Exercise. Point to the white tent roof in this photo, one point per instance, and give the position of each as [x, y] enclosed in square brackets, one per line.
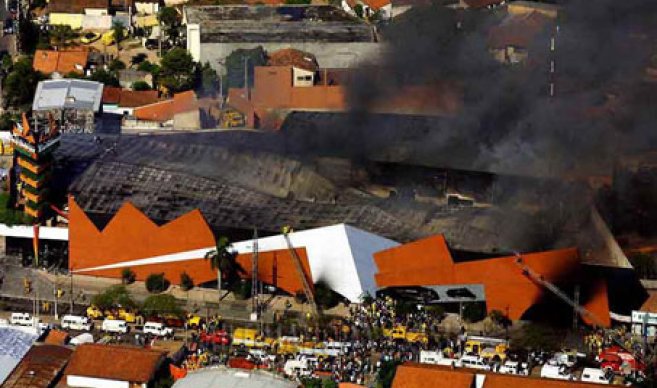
[340, 255]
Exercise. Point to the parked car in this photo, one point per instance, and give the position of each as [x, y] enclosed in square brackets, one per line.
[556, 372]
[153, 44]
[514, 368]
[75, 322]
[219, 337]
[21, 319]
[173, 321]
[598, 376]
[435, 358]
[115, 326]
[157, 329]
[473, 362]
[84, 338]
[90, 37]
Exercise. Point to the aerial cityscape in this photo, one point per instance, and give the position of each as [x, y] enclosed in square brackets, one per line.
[328, 193]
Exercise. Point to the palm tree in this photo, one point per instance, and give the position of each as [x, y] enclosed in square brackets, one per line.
[61, 36]
[223, 259]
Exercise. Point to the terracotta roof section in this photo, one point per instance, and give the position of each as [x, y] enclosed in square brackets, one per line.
[111, 95]
[482, 3]
[293, 57]
[75, 6]
[414, 375]
[63, 62]
[429, 262]
[56, 337]
[165, 110]
[650, 305]
[39, 368]
[134, 98]
[518, 30]
[114, 362]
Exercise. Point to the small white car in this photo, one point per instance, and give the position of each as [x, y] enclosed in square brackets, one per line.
[436, 358]
[295, 368]
[594, 375]
[157, 329]
[514, 368]
[115, 326]
[21, 319]
[556, 372]
[76, 322]
[473, 362]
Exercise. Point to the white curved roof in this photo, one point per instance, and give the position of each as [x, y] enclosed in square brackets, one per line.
[340, 255]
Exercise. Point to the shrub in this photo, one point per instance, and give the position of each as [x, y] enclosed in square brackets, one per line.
[186, 282]
[474, 312]
[156, 283]
[128, 276]
[499, 318]
[161, 304]
[115, 295]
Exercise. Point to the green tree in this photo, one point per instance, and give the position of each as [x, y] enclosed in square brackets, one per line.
[386, 374]
[366, 298]
[161, 304]
[358, 9]
[152, 68]
[186, 281]
[20, 84]
[104, 77]
[119, 34]
[141, 86]
[474, 311]
[138, 59]
[223, 259]
[156, 283]
[128, 276]
[170, 20]
[113, 296]
[209, 80]
[235, 66]
[61, 36]
[177, 72]
[6, 122]
[30, 36]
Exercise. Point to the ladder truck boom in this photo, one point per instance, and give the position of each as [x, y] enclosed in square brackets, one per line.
[538, 278]
[302, 275]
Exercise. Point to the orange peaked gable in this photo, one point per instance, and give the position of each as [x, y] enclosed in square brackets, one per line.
[131, 235]
[429, 262]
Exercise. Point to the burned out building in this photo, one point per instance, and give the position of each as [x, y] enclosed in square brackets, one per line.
[337, 39]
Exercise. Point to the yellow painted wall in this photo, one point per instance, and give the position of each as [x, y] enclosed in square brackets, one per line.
[67, 19]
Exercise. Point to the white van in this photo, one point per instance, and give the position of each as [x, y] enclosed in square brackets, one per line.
[76, 322]
[22, 319]
[294, 368]
[115, 326]
[514, 368]
[593, 375]
[157, 329]
[334, 348]
[435, 358]
[555, 372]
[473, 362]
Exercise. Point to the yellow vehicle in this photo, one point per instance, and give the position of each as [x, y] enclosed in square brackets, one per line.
[231, 118]
[288, 345]
[486, 347]
[108, 38]
[402, 334]
[90, 37]
[193, 321]
[94, 312]
[126, 315]
[250, 338]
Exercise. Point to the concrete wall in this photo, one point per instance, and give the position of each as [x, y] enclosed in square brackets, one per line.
[329, 55]
[147, 8]
[74, 20]
[187, 120]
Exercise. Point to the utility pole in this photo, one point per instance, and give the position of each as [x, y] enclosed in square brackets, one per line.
[246, 79]
[71, 290]
[254, 277]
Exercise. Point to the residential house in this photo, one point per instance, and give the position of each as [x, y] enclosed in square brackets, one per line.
[98, 366]
[181, 112]
[123, 102]
[376, 9]
[42, 366]
[61, 63]
[511, 40]
[127, 77]
[73, 103]
[147, 7]
[276, 92]
[304, 65]
[80, 14]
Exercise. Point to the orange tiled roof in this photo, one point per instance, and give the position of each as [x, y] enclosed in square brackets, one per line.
[111, 95]
[113, 362]
[429, 262]
[293, 57]
[135, 98]
[650, 305]
[56, 337]
[165, 110]
[63, 62]
[413, 375]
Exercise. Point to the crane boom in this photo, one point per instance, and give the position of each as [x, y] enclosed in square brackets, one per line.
[538, 278]
[304, 281]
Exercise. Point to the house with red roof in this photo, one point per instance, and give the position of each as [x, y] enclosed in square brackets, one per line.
[123, 101]
[52, 62]
[182, 112]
